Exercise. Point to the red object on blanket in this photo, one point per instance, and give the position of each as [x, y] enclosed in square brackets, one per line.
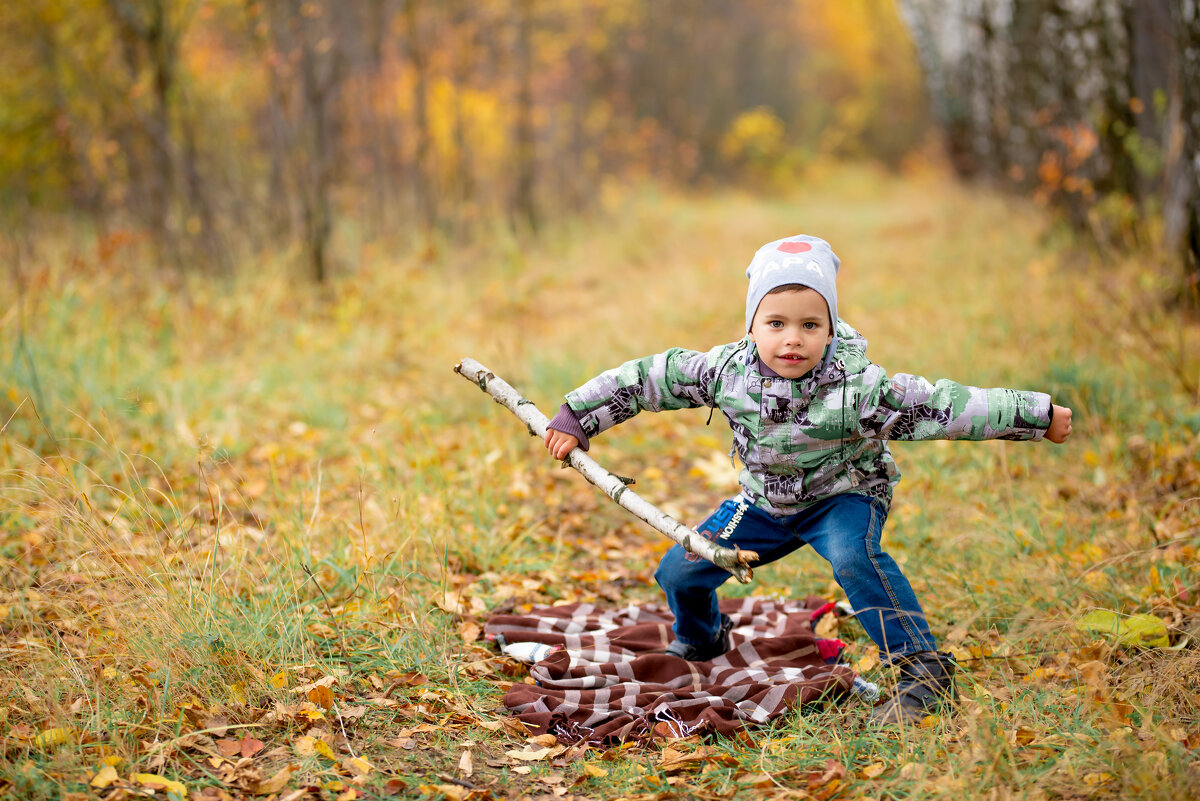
[612, 682]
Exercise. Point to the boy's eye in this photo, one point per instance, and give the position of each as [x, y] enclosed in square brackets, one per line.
[776, 324]
[810, 326]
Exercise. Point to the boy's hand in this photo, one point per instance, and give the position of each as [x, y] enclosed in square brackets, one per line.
[1060, 426]
[560, 444]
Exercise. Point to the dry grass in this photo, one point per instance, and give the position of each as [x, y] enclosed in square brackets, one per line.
[215, 494]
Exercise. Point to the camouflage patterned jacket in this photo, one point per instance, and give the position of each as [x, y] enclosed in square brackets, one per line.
[804, 440]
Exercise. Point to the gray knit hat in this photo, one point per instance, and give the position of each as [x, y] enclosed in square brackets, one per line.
[804, 260]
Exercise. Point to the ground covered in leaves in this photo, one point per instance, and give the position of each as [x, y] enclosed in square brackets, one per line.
[250, 532]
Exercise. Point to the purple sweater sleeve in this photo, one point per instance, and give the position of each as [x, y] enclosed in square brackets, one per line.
[566, 422]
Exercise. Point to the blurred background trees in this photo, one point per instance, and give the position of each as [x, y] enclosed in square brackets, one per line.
[1093, 105]
[214, 130]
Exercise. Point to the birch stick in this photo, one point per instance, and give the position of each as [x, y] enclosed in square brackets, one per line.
[735, 560]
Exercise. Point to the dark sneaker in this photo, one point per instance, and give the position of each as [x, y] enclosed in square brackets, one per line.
[704, 653]
[926, 683]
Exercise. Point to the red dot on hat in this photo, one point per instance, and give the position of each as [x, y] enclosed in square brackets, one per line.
[794, 247]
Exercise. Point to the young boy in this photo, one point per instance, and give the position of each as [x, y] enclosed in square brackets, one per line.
[811, 417]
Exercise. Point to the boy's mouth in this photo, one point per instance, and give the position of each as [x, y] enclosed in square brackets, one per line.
[791, 357]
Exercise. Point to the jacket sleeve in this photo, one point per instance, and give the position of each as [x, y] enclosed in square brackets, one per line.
[908, 407]
[676, 379]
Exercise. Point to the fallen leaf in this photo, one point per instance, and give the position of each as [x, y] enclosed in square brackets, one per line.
[248, 746]
[594, 771]
[470, 631]
[106, 776]
[827, 627]
[228, 746]
[304, 745]
[535, 754]
[514, 726]
[323, 748]
[671, 759]
[52, 737]
[352, 712]
[321, 696]
[874, 770]
[276, 782]
[834, 772]
[869, 661]
[1144, 631]
[279, 680]
[451, 791]
[156, 782]
[1096, 779]
[358, 766]
[408, 679]
[465, 764]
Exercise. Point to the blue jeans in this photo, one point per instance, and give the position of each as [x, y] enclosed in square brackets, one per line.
[844, 529]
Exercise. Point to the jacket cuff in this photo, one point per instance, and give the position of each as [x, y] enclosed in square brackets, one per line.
[1042, 424]
[566, 422]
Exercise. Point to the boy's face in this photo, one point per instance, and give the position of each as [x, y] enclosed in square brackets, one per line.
[791, 330]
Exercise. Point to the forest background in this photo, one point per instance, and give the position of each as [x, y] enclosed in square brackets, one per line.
[251, 526]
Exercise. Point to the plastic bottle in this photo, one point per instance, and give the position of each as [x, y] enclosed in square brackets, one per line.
[529, 652]
[868, 691]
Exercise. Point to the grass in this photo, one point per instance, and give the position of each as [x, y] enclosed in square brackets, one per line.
[216, 495]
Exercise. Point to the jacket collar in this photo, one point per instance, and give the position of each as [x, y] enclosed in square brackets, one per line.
[828, 371]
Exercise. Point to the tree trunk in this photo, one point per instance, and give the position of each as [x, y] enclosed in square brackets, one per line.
[524, 202]
[1182, 207]
[426, 205]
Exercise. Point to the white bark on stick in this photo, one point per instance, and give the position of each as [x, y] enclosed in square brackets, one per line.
[735, 560]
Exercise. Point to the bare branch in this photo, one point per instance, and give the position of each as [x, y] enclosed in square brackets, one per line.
[735, 560]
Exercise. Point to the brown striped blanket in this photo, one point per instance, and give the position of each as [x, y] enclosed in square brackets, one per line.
[610, 680]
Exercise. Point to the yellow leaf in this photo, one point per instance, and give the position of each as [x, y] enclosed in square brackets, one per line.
[871, 771]
[237, 694]
[157, 782]
[1095, 779]
[594, 770]
[869, 661]
[106, 776]
[305, 745]
[358, 766]
[1146, 631]
[827, 627]
[324, 750]
[52, 737]
[279, 680]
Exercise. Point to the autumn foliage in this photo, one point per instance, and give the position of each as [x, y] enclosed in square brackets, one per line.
[221, 126]
[250, 532]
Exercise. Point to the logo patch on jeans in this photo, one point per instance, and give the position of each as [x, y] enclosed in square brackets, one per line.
[721, 524]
